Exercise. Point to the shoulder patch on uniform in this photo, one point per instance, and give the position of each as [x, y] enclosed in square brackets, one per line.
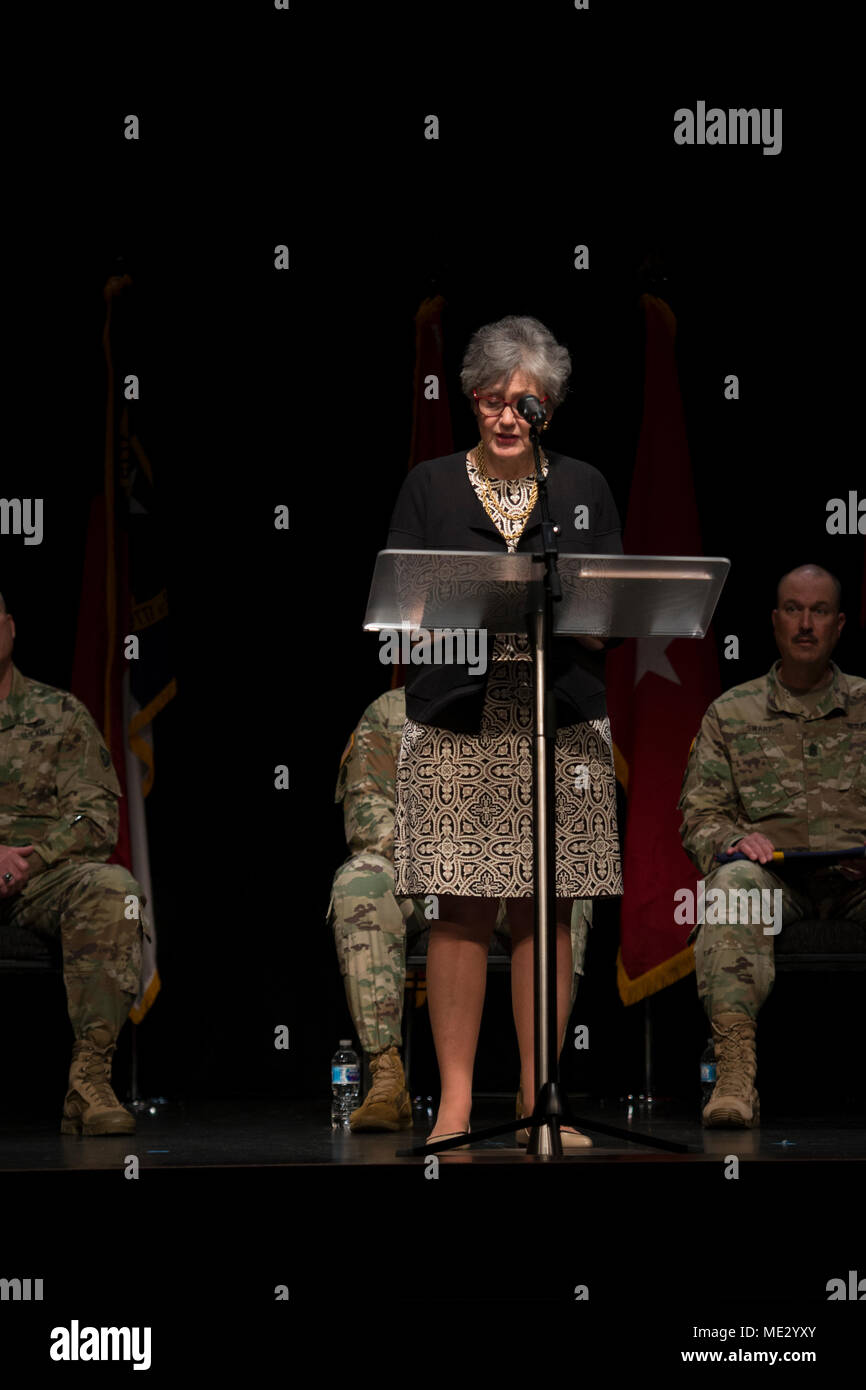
[348, 748]
[105, 757]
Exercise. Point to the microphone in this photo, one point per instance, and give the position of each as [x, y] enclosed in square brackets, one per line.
[531, 409]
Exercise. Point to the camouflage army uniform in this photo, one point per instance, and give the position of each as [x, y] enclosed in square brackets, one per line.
[370, 924]
[59, 792]
[794, 769]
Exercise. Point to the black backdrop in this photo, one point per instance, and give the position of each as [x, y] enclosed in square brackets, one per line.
[263, 387]
[305, 126]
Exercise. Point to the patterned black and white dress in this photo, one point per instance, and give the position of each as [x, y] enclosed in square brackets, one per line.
[464, 814]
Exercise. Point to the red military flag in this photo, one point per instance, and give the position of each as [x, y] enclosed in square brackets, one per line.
[658, 688]
[431, 414]
[432, 437]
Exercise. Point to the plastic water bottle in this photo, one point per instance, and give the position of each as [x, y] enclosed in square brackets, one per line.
[345, 1084]
[708, 1072]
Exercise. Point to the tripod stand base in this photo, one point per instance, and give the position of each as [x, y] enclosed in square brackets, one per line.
[545, 1139]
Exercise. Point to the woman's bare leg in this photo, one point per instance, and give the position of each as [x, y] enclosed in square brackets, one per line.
[456, 983]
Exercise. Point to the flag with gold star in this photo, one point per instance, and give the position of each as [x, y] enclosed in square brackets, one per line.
[658, 687]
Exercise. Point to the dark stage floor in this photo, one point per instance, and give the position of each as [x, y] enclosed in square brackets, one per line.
[239, 1198]
[238, 1133]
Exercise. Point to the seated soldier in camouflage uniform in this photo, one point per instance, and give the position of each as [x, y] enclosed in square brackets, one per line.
[779, 763]
[371, 925]
[58, 824]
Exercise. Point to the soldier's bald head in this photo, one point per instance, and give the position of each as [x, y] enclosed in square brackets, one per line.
[812, 572]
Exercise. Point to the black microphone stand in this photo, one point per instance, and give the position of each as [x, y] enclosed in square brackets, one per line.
[550, 1108]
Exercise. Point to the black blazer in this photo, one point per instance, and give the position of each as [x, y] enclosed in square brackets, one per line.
[437, 509]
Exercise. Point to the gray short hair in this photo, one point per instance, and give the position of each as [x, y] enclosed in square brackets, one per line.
[502, 348]
[821, 573]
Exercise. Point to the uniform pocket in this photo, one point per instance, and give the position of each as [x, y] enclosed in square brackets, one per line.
[852, 763]
[767, 775]
[28, 772]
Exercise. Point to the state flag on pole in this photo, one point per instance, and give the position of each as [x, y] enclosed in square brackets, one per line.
[122, 665]
[150, 681]
[658, 688]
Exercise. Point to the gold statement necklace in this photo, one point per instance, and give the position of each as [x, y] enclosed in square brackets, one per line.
[492, 503]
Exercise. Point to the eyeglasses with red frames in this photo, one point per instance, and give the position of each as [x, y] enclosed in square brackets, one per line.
[494, 405]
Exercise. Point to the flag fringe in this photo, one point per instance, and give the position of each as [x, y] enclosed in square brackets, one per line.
[620, 767]
[138, 1011]
[667, 972]
[140, 747]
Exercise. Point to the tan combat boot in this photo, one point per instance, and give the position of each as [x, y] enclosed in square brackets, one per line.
[386, 1104]
[734, 1103]
[91, 1107]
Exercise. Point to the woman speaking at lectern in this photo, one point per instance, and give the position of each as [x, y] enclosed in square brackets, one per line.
[464, 817]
